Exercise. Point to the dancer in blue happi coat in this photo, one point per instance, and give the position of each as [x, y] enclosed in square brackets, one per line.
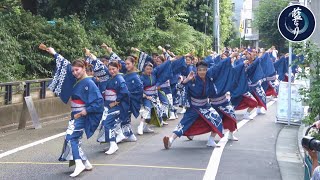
[200, 118]
[183, 100]
[135, 88]
[153, 109]
[269, 81]
[241, 98]
[71, 81]
[117, 101]
[221, 76]
[164, 93]
[256, 74]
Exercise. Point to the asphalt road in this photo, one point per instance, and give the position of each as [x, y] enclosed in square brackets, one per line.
[253, 157]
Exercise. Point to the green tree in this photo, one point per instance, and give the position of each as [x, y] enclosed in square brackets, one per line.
[198, 8]
[266, 18]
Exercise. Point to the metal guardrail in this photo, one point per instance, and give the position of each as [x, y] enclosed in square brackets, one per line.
[9, 89]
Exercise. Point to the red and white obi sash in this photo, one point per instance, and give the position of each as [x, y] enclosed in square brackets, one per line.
[218, 100]
[150, 90]
[77, 105]
[110, 95]
[198, 102]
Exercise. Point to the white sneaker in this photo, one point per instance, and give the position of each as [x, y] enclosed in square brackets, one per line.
[261, 111]
[232, 137]
[120, 137]
[147, 129]
[113, 148]
[247, 116]
[176, 115]
[211, 142]
[88, 165]
[79, 168]
[183, 110]
[131, 138]
[172, 116]
[140, 129]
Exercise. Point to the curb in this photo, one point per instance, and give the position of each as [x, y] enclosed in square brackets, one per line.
[301, 132]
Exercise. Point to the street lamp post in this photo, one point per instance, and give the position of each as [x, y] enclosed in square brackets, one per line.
[216, 26]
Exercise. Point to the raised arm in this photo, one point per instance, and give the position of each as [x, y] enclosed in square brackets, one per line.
[63, 80]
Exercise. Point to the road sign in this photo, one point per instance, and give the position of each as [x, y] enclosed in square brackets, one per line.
[296, 23]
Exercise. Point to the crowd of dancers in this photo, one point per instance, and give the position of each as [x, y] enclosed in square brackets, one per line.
[106, 92]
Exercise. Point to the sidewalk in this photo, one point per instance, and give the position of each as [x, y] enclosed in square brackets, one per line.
[288, 154]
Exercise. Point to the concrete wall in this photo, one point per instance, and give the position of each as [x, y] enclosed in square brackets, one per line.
[47, 109]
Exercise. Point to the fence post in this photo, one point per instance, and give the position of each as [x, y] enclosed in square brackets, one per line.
[26, 90]
[43, 89]
[8, 95]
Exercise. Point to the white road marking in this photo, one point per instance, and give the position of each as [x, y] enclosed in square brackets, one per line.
[214, 161]
[7, 153]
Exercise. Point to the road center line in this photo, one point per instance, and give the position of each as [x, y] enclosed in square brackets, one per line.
[115, 165]
[7, 153]
[214, 161]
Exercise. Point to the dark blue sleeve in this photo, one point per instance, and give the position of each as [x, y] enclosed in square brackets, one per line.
[163, 72]
[123, 92]
[179, 65]
[63, 80]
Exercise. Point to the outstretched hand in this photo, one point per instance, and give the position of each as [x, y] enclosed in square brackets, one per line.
[86, 51]
[50, 50]
[106, 47]
[190, 75]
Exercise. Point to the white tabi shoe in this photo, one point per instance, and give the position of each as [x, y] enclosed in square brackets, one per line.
[88, 165]
[113, 148]
[260, 111]
[131, 138]
[120, 137]
[176, 115]
[247, 116]
[232, 137]
[164, 123]
[183, 110]
[140, 129]
[211, 142]
[79, 168]
[147, 129]
[172, 116]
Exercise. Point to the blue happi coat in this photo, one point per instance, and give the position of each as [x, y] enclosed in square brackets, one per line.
[255, 74]
[65, 85]
[210, 120]
[135, 88]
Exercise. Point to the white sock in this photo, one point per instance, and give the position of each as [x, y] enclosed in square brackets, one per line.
[171, 140]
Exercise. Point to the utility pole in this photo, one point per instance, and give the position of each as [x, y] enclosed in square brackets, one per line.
[216, 26]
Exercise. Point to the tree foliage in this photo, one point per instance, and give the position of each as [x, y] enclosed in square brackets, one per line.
[70, 25]
[266, 18]
[310, 70]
